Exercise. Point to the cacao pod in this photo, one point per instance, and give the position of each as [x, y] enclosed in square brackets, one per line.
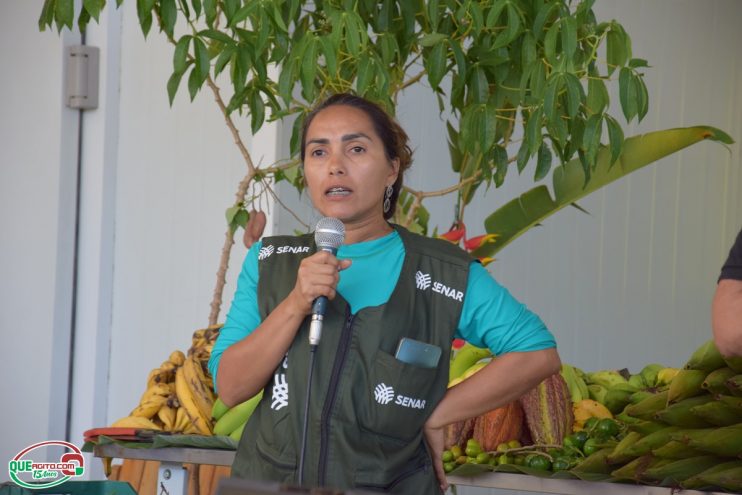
[498, 426]
[548, 411]
[458, 433]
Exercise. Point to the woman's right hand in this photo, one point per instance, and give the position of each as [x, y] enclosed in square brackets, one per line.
[317, 276]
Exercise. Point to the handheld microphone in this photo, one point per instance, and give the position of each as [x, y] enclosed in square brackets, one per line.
[328, 235]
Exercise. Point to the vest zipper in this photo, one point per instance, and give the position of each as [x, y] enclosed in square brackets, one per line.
[337, 367]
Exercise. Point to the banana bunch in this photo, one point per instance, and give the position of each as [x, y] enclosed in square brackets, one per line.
[179, 394]
[465, 358]
[578, 389]
[231, 421]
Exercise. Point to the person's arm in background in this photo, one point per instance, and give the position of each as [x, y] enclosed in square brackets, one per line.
[526, 355]
[726, 309]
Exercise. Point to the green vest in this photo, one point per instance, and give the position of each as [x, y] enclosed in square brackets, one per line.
[367, 409]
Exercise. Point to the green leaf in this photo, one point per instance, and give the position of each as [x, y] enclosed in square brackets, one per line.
[544, 16]
[186, 10]
[286, 82]
[533, 130]
[597, 95]
[210, 12]
[615, 137]
[144, 12]
[435, 64]
[643, 96]
[575, 94]
[83, 20]
[531, 208]
[194, 83]
[616, 52]
[523, 156]
[94, 7]
[627, 94]
[493, 16]
[569, 36]
[64, 13]
[231, 213]
[329, 50]
[550, 43]
[478, 85]
[636, 63]
[512, 29]
[309, 65]
[202, 60]
[168, 15]
[458, 56]
[591, 137]
[551, 96]
[543, 163]
[230, 9]
[295, 142]
[47, 14]
[217, 36]
[488, 123]
[433, 14]
[257, 111]
[180, 55]
[365, 74]
[432, 39]
[172, 85]
[500, 157]
[278, 19]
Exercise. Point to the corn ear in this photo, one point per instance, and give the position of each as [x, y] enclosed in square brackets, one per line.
[725, 441]
[687, 383]
[698, 482]
[679, 470]
[676, 450]
[706, 358]
[717, 413]
[679, 414]
[716, 381]
[647, 408]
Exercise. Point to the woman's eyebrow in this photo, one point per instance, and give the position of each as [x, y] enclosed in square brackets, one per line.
[355, 135]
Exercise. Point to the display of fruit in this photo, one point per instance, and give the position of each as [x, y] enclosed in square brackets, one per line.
[179, 394]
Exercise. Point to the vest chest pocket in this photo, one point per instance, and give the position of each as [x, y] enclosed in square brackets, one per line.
[398, 400]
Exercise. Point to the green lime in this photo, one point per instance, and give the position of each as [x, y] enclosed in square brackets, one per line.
[473, 450]
[504, 459]
[570, 442]
[483, 458]
[560, 464]
[473, 443]
[519, 460]
[456, 451]
[607, 428]
[461, 459]
[590, 423]
[591, 446]
[539, 462]
[514, 444]
[471, 460]
[581, 437]
[503, 447]
[493, 460]
[449, 466]
[447, 456]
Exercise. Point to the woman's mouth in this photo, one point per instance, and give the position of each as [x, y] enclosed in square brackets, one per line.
[337, 192]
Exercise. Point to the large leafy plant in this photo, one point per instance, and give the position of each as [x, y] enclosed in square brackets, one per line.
[523, 83]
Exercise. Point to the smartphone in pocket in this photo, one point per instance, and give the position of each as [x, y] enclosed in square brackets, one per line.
[418, 353]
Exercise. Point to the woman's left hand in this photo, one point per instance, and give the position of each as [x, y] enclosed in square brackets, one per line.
[435, 440]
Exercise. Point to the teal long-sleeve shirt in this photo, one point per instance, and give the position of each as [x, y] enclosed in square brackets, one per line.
[491, 317]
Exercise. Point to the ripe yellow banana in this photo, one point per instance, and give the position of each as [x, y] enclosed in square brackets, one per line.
[149, 407]
[168, 366]
[156, 390]
[201, 422]
[167, 416]
[197, 382]
[177, 358]
[158, 375]
[135, 422]
[181, 420]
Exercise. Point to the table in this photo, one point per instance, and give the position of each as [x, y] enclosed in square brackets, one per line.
[172, 478]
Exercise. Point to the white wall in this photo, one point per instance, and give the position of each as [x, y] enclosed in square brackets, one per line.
[38, 142]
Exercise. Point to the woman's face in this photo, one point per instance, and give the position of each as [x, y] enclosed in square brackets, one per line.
[345, 166]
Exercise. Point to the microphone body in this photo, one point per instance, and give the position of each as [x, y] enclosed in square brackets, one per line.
[328, 235]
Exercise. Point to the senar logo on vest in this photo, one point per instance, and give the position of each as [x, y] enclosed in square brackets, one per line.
[265, 252]
[292, 249]
[423, 281]
[384, 394]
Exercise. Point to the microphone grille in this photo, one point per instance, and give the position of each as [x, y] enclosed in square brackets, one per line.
[329, 233]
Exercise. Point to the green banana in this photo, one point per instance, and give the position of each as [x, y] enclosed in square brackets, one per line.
[636, 468]
[237, 415]
[716, 381]
[698, 482]
[647, 408]
[464, 358]
[729, 479]
[615, 400]
[608, 378]
[597, 392]
[679, 470]
[572, 380]
[679, 413]
[725, 441]
[706, 358]
[734, 362]
[638, 382]
[618, 456]
[218, 409]
[734, 384]
[676, 450]
[652, 441]
[717, 413]
[236, 435]
[639, 396]
[687, 383]
[649, 373]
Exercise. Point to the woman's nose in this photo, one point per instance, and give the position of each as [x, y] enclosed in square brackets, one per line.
[336, 165]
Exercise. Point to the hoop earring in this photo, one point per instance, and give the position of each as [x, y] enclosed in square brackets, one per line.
[388, 198]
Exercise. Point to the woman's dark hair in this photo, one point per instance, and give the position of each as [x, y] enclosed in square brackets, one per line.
[391, 133]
